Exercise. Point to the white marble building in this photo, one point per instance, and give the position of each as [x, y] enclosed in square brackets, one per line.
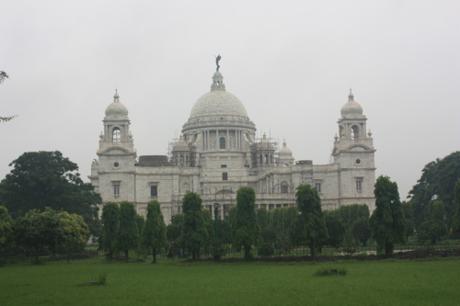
[218, 152]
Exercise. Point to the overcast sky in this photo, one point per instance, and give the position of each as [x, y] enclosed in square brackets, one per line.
[290, 62]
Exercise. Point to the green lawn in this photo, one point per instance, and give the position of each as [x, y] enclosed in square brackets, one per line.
[434, 282]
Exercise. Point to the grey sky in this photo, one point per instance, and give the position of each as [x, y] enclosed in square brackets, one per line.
[290, 62]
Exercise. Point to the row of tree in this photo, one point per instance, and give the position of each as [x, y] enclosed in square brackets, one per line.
[38, 233]
[195, 232]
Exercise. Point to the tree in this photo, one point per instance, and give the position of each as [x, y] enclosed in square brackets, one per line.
[174, 235]
[194, 232]
[110, 228]
[361, 230]
[434, 227]
[154, 233]
[456, 222]
[6, 232]
[312, 219]
[47, 179]
[245, 230]
[335, 229]
[387, 221]
[73, 233]
[438, 181]
[4, 76]
[128, 234]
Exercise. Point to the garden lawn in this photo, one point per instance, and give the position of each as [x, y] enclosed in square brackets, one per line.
[398, 282]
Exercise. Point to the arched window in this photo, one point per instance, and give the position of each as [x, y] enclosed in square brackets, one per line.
[354, 132]
[116, 135]
[284, 187]
[341, 131]
[222, 143]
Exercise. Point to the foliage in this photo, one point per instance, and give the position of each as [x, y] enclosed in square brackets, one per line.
[456, 222]
[110, 226]
[433, 228]
[335, 229]
[128, 234]
[387, 221]
[438, 180]
[361, 230]
[194, 232]
[245, 227]
[154, 233]
[311, 218]
[49, 231]
[6, 232]
[73, 233]
[174, 235]
[47, 179]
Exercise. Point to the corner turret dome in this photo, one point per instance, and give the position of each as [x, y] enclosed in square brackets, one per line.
[285, 151]
[116, 110]
[351, 108]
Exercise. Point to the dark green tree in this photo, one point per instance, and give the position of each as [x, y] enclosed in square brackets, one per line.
[245, 228]
[434, 227]
[154, 233]
[361, 230]
[47, 179]
[110, 228]
[6, 232]
[194, 231]
[174, 235]
[312, 219]
[128, 234]
[387, 221]
[456, 221]
[335, 229]
[438, 181]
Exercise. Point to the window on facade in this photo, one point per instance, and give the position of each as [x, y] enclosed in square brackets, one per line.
[284, 187]
[153, 191]
[354, 132]
[359, 184]
[223, 166]
[222, 143]
[116, 189]
[224, 176]
[318, 187]
[116, 135]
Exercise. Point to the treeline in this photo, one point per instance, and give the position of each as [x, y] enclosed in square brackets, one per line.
[194, 232]
[39, 233]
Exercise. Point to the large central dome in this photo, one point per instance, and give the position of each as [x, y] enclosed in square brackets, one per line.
[218, 102]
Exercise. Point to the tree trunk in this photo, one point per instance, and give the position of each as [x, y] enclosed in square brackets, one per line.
[388, 249]
[126, 255]
[154, 255]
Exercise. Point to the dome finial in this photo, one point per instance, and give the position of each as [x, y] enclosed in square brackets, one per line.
[351, 97]
[116, 97]
[218, 58]
[217, 78]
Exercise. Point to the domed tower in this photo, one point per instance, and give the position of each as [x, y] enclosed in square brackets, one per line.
[219, 128]
[354, 154]
[285, 157]
[117, 155]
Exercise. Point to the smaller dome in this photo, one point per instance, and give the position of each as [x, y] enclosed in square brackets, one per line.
[181, 145]
[351, 108]
[285, 151]
[116, 110]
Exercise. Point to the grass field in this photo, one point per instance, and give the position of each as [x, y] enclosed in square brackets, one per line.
[398, 282]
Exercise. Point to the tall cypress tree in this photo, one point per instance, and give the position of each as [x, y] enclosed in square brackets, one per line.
[128, 233]
[154, 233]
[311, 218]
[245, 227]
[387, 221]
[110, 226]
[194, 232]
